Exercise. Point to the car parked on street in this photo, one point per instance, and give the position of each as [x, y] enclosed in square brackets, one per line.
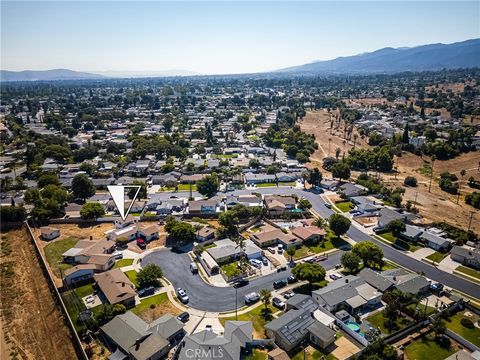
[279, 284]
[241, 282]
[288, 294]
[292, 279]
[251, 298]
[282, 268]
[182, 295]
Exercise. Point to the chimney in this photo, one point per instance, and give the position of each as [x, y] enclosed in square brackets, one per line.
[91, 237]
[346, 280]
[394, 278]
[123, 284]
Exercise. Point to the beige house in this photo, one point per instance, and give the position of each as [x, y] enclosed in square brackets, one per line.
[116, 287]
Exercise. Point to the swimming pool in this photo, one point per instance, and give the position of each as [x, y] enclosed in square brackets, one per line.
[353, 326]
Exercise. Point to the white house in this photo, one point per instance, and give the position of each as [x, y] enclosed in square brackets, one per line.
[49, 233]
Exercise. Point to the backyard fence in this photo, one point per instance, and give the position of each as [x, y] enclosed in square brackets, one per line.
[77, 343]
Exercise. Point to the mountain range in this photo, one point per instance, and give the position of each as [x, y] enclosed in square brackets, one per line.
[465, 54]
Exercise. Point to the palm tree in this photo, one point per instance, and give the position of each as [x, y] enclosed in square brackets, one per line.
[265, 296]
[291, 252]
[462, 174]
[355, 137]
[329, 143]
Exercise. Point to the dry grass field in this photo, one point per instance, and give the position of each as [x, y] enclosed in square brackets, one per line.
[33, 327]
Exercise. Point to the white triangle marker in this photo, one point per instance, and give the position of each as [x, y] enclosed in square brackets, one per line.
[118, 195]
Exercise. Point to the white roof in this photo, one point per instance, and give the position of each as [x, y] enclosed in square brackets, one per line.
[72, 252]
[323, 317]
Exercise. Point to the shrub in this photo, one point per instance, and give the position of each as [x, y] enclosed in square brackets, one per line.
[410, 181]
[467, 323]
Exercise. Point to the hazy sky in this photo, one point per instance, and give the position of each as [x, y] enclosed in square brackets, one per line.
[218, 37]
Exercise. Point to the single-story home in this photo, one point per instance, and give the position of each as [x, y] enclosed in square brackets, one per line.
[466, 256]
[116, 287]
[78, 274]
[49, 233]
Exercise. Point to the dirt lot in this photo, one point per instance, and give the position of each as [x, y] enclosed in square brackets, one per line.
[318, 124]
[438, 205]
[33, 325]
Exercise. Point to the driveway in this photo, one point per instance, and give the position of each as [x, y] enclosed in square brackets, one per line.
[206, 297]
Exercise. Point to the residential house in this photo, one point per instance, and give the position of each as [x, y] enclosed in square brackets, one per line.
[203, 206]
[78, 274]
[298, 324]
[205, 233]
[309, 234]
[130, 337]
[225, 251]
[351, 190]
[386, 216]
[233, 345]
[466, 256]
[329, 184]
[365, 205]
[411, 233]
[94, 252]
[251, 178]
[407, 282]
[274, 236]
[352, 292]
[436, 242]
[277, 204]
[148, 233]
[116, 287]
[49, 233]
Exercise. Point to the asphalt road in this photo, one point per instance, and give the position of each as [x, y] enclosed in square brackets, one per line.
[390, 253]
[206, 297]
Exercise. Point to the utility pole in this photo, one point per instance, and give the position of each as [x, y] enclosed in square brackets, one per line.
[431, 175]
[470, 221]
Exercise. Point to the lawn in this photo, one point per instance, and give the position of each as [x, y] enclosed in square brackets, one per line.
[122, 262]
[255, 316]
[186, 187]
[257, 355]
[436, 257]
[231, 269]
[344, 206]
[132, 275]
[152, 300]
[266, 185]
[54, 251]
[377, 320]
[472, 335]
[212, 245]
[421, 309]
[388, 236]
[84, 290]
[330, 242]
[427, 348]
[469, 271]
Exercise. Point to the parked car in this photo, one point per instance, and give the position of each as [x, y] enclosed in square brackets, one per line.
[183, 317]
[146, 291]
[292, 279]
[118, 255]
[278, 303]
[90, 299]
[282, 268]
[141, 244]
[335, 276]
[255, 262]
[265, 261]
[251, 298]
[182, 295]
[241, 282]
[327, 205]
[280, 248]
[193, 268]
[279, 284]
[288, 295]
[271, 250]
[338, 266]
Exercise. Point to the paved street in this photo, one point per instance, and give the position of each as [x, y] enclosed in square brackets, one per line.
[357, 235]
[206, 297]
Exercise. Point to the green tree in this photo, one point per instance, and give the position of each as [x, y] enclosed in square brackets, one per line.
[304, 204]
[229, 222]
[370, 253]
[291, 252]
[12, 213]
[149, 276]
[92, 210]
[350, 261]
[142, 193]
[180, 232]
[314, 177]
[339, 224]
[341, 170]
[208, 186]
[311, 272]
[55, 192]
[265, 296]
[410, 181]
[405, 136]
[396, 227]
[82, 187]
[47, 179]
[107, 312]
